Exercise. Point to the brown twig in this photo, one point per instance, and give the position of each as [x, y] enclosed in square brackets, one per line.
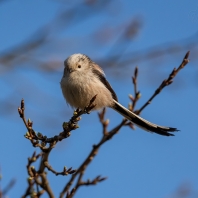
[85, 183]
[80, 171]
[166, 82]
[38, 177]
[64, 172]
[94, 181]
[32, 174]
[67, 126]
[102, 121]
[136, 92]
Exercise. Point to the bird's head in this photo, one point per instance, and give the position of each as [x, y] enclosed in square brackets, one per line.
[77, 63]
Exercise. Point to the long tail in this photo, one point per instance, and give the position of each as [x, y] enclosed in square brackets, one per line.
[142, 123]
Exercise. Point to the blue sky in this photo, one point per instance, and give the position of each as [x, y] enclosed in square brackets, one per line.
[137, 163]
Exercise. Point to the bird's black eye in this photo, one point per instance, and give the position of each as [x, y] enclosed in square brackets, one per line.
[79, 66]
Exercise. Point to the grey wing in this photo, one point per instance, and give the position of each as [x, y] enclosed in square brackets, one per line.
[102, 78]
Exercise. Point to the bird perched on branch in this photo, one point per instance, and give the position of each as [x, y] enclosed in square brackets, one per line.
[82, 79]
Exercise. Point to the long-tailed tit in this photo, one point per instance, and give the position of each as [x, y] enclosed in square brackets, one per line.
[83, 79]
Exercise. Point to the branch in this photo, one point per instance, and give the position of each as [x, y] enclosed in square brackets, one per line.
[80, 171]
[67, 126]
[33, 176]
[64, 172]
[136, 92]
[38, 177]
[85, 183]
[166, 82]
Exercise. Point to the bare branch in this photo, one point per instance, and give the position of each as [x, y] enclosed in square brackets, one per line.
[64, 172]
[39, 178]
[80, 171]
[166, 82]
[136, 92]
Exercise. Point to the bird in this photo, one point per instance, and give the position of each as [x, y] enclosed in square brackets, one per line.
[83, 78]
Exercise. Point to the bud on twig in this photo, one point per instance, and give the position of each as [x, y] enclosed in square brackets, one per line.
[106, 122]
[138, 95]
[131, 97]
[136, 72]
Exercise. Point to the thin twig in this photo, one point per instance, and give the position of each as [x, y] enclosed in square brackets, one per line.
[32, 174]
[136, 92]
[166, 82]
[67, 126]
[38, 177]
[80, 171]
[64, 172]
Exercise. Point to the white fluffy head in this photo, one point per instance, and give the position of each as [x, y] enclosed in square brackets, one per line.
[77, 62]
[80, 63]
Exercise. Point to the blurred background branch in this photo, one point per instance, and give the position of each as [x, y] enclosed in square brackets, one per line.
[46, 48]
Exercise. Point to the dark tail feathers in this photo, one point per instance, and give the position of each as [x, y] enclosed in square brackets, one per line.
[142, 123]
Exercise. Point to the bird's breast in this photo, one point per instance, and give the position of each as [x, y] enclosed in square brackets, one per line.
[79, 90]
